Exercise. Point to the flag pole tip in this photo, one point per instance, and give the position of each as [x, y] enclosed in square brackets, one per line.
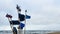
[25, 10]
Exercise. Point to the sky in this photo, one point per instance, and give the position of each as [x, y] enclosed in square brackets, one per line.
[45, 14]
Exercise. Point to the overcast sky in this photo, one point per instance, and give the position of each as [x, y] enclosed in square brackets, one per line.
[45, 14]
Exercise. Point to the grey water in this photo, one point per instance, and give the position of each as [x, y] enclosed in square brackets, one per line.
[28, 31]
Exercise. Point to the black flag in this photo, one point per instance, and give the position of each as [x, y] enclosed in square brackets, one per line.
[21, 17]
[9, 16]
[14, 22]
[18, 8]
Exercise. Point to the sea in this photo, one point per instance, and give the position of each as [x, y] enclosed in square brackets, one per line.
[28, 31]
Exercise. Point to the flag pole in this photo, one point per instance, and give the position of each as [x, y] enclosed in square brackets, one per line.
[11, 24]
[19, 12]
[9, 19]
[25, 22]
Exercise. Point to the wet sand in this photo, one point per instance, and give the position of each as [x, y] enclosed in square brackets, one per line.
[54, 33]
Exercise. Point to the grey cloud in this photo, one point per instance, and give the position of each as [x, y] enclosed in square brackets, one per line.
[43, 12]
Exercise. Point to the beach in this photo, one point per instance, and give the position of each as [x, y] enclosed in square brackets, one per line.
[54, 33]
[32, 32]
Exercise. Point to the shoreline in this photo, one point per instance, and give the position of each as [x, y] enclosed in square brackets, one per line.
[54, 33]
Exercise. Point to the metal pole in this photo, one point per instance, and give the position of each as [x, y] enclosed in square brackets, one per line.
[19, 24]
[19, 30]
[25, 22]
[11, 24]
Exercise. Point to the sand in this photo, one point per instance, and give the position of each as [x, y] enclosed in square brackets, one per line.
[54, 33]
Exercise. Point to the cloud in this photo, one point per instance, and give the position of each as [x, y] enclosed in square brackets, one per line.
[5, 28]
[3, 19]
[43, 27]
[43, 12]
[7, 6]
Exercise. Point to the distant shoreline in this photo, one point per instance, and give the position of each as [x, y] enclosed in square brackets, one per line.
[34, 31]
[54, 33]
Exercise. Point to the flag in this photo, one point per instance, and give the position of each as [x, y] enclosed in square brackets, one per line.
[14, 22]
[21, 17]
[18, 8]
[9, 16]
[28, 17]
[21, 25]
